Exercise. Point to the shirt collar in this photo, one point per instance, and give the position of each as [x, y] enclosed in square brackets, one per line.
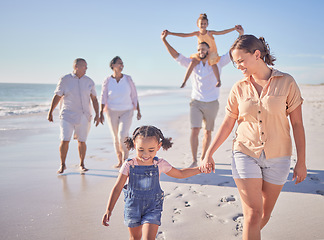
[75, 76]
[274, 73]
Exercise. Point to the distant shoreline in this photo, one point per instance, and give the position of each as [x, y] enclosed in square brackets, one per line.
[166, 86]
[309, 84]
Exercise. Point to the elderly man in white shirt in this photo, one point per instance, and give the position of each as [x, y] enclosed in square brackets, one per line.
[75, 90]
[204, 96]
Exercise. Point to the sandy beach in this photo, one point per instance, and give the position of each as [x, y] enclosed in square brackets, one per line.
[36, 203]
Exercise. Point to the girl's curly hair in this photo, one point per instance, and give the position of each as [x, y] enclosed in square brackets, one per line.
[148, 131]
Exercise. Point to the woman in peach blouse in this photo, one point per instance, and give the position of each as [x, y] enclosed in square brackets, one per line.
[260, 103]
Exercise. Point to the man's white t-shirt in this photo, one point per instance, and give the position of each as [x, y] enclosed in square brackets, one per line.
[203, 78]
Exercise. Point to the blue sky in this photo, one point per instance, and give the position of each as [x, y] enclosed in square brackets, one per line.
[40, 39]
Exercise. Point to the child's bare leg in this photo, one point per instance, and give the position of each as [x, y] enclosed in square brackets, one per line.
[149, 231]
[135, 233]
[216, 72]
[192, 65]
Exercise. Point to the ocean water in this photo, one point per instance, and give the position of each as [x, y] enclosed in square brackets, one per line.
[24, 107]
[23, 99]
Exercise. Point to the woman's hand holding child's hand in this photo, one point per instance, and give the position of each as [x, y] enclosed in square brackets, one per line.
[207, 165]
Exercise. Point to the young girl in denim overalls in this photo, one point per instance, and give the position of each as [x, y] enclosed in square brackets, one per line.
[143, 194]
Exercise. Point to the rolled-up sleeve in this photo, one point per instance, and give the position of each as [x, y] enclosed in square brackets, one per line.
[93, 91]
[104, 93]
[59, 91]
[183, 61]
[294, 98]
[134, 95]
[231, 108]
[224, 60]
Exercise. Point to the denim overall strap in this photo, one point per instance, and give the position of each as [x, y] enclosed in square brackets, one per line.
[155, 161]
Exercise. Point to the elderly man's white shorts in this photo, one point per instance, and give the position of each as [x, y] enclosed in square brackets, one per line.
[80, 130]
[274, 170]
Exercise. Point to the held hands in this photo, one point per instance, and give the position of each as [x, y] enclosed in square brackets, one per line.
[106, 218]
[101, 118]
[96, 120]
[164, 34]
[207, 165]
[239, 29]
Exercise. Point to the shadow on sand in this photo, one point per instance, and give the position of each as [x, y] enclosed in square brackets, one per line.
[314, 183]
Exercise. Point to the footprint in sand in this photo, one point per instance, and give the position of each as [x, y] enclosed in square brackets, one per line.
[313, 178]
[160, 236]
[193, 191]
[240, 215]
[187, 204]
[239, 223]
[227, 199]
[179, 195]
[176, 212]
[208, 215]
